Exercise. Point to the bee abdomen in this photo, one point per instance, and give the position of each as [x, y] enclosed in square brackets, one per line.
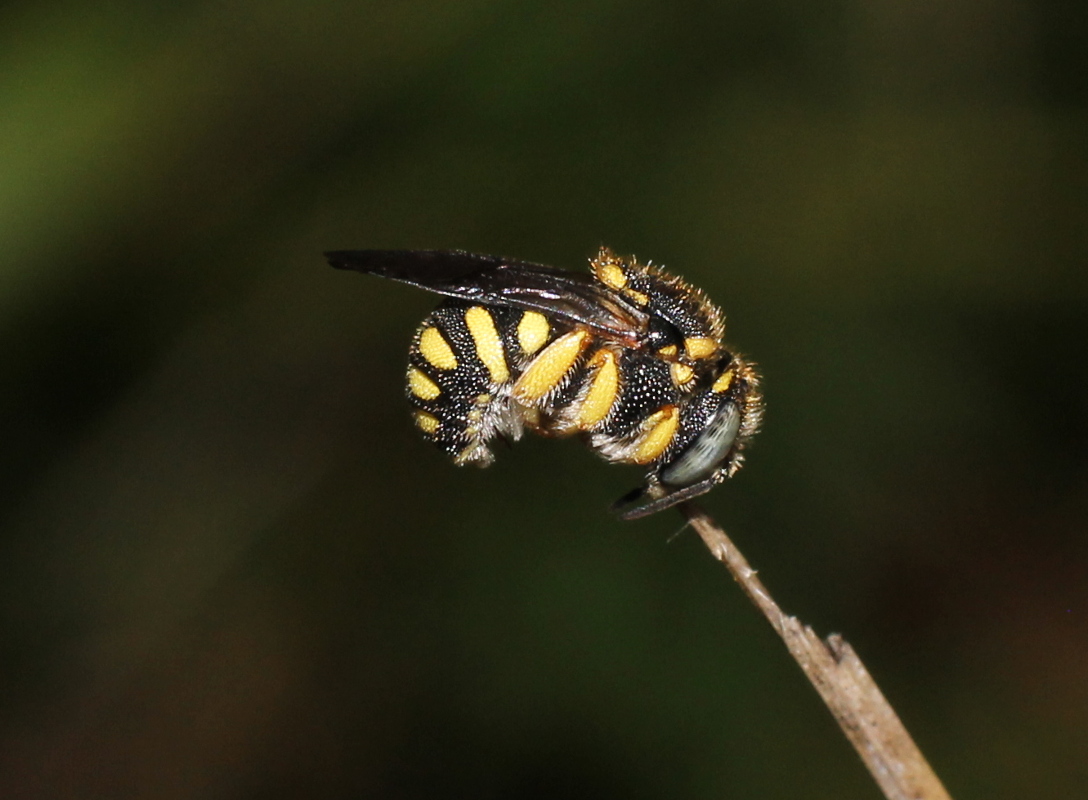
[474, 372]
[458, 382]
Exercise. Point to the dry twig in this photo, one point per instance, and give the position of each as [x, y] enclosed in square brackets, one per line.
[832, 666]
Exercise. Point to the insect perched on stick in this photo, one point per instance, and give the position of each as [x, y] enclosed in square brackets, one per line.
[630, 357]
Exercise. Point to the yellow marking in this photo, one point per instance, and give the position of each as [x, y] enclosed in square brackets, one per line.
[700, 346]
[422, 386]
[609, 269]
[533, 331]
[550, 367]
[602, 392]
[669, 351]
[725, 380]
[610, 274]
[681, 373]
[434, 347]
[638, 297]
[428, 423]
[659, 431]
[488, 344]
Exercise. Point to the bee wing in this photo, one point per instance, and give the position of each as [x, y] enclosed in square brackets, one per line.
[490, 280]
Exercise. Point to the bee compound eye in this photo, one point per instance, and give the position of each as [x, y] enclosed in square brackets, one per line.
[707, 450]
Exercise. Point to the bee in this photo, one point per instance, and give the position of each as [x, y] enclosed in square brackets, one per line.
[628, 357]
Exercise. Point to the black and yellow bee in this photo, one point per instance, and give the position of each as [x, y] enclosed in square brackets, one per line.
[629, 357]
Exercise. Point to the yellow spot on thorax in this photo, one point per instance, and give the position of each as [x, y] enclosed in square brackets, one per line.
[428, 423]
[612, 275]
[639, 297]
[434, 347]
[725, 380]
[681, 373]
[659, 430]
[603, 388]
[550, 367]
[668, 351]
[609, 270]
[700, 346]
[481, 325]
[533, 331]
[422, 386]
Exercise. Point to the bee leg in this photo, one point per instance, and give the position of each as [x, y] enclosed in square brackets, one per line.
[627, 499]
[666, 501]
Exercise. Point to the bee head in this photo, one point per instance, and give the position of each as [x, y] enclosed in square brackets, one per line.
[719, 420]
[708, 449]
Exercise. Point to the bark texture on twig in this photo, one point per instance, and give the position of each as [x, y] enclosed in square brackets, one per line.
[846, 687]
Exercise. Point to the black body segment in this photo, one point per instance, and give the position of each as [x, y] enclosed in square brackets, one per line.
[629, 357]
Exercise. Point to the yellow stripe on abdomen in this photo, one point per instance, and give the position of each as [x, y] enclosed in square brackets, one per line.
[481, 325]
[428, 423]
[422, 386]
[533, 331]
[434, 347]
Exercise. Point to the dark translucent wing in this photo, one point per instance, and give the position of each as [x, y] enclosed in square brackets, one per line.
[490, 280]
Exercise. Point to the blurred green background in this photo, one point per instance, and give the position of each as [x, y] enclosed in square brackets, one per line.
[228, 566]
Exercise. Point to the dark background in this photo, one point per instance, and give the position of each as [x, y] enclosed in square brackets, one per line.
[229, 568]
